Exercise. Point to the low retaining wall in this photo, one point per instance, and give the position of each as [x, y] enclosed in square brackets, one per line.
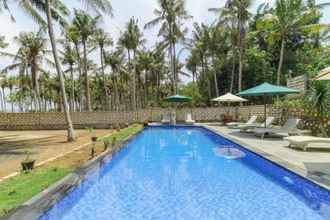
[56, 120]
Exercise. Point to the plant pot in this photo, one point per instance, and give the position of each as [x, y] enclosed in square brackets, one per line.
[94, 139]
[27, 165]
[106, 145]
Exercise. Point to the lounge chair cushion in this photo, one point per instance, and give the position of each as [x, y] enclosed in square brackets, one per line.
[303, 141]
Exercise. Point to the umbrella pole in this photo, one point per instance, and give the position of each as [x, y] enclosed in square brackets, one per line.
[265, 110]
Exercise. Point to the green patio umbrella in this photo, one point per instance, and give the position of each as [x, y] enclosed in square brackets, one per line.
[178, 99]
[267, 89]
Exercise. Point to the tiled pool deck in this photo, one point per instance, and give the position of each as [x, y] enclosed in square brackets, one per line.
[313, 164]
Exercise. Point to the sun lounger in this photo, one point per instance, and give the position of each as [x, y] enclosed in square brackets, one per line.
[236, 125]
[189, 119]
[290, 126]
[303, 141]
[249, 128]
[166, 119]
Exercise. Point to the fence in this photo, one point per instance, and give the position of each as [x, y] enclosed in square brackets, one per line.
[56, 120]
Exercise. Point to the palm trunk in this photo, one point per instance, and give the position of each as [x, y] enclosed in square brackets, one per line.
[12, 103]
[71, 134]
[105, 89]
[81, 90]
[72, 90]
[172, 59]
[240, 71]
[35, 84]
[232, 74]
[176, 80]
[4, 99]
[240, 54]
[215, 80]
[280, 64]
[2, 105]
[87, 89]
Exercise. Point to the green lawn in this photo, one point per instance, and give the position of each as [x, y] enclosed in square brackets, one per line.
[124, 133]
[19, 189]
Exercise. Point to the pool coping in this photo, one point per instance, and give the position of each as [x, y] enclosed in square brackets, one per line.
[46, 199]
[318, 180]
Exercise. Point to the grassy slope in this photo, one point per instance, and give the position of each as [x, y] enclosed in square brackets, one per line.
[19, 189]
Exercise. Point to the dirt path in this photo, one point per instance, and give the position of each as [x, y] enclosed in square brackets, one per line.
[41, 144]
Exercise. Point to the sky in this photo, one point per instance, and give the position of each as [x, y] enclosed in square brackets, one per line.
[123, 11]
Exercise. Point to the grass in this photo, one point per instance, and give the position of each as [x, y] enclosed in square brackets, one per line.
[123, 133]
[17, 190]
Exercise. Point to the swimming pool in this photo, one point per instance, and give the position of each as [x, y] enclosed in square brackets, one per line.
[181, 172]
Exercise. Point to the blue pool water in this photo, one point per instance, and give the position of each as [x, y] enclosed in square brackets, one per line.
[170, 173]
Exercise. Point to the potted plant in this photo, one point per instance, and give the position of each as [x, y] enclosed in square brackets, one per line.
[113, 142]
[92, 133]
[106, 143]
[27, 163]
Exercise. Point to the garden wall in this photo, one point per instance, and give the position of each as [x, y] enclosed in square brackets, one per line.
[56, 120]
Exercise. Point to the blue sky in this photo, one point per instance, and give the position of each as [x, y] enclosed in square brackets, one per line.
[123, 10]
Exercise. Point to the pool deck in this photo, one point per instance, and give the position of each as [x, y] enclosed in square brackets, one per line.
[313, 164]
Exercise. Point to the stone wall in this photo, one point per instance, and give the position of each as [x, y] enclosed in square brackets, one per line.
[56, 120]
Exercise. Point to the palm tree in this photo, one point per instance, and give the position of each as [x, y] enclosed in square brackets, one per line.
[12, 82]
[228, 21]
[32, 7]
[30, 57]
[288, 17]
[201, 39]
[69, 58]
[102, 40]
[169, 16]
[116, 61]
[72, 34]
[86, 25]
[131, 39]
[192, 64]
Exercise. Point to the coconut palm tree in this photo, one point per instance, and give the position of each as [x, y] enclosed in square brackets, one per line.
[116, 61]
[55, 10]
[288, 17]
[31, 56]
[72, 34]
[102, 40]
[69, 57]
[170, 15]
[131, 39]
[86, 25]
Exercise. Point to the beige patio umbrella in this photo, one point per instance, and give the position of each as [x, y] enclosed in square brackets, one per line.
[229, 98]
[323, 74]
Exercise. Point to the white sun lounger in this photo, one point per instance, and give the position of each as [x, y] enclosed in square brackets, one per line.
[284, 131]
[166, 119]
[189, 119]
[236, 125]
[249, 128]
[303, 141]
